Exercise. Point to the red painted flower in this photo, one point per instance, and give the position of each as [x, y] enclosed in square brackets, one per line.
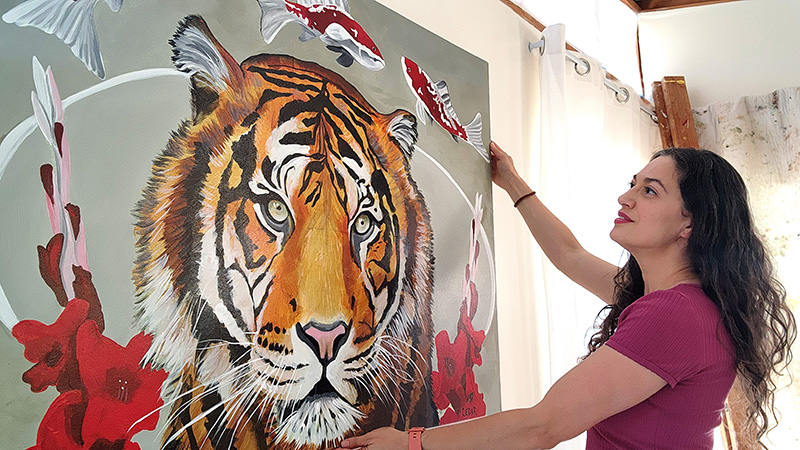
[122, 395]
[466, 401]
[58, 429]
[52, 349]
[474, 339]
[451, 364]
[449, 416]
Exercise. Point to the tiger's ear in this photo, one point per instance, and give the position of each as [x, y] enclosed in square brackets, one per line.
[197, 52]
[403, 130]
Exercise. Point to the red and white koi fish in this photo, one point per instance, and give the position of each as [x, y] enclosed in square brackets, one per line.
[433, 101]
[328, 20]
[72, 21]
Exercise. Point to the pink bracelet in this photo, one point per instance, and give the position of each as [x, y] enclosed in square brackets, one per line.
[415, 438]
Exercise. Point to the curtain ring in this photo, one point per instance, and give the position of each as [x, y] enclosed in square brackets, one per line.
[625, 95]
[585, 63]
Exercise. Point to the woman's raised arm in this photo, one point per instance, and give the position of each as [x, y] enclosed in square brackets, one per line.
[555, 239]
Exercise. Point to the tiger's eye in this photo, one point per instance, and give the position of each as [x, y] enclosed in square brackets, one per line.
[362, 224]
[277, 210]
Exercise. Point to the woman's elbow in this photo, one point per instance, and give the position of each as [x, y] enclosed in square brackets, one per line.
[543, 432]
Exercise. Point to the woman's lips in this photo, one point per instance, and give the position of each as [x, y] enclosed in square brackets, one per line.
[623, 218]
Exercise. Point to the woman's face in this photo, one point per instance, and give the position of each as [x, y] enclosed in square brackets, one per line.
[652, 217]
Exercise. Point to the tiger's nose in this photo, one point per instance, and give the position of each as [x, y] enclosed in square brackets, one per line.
[325, 339]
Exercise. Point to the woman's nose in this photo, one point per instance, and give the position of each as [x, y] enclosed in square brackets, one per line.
[626, 199]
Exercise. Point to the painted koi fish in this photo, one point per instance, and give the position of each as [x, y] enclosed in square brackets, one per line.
[433, 101]
[72, 21]
[328, 20]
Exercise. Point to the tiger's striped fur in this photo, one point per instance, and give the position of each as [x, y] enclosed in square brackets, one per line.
[284, 258]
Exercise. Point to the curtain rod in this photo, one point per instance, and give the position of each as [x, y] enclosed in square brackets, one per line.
[582, 67]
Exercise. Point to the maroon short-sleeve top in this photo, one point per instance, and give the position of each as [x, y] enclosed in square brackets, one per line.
[678, 335]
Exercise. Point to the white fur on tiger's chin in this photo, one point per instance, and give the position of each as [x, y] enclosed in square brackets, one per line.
[321, 422]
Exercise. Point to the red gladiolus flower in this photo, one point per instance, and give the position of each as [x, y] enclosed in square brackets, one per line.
[52, 349]
[123, 397]
[451, 364]
[466, 401]
[449, 416]
[474, 339]
[58, 430]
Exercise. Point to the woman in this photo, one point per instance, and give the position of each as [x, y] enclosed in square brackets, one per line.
[695, 305]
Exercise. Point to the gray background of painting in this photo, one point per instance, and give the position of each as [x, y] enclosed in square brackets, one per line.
[114, 136]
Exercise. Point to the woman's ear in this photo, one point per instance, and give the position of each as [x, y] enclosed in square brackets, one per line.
[687, 230]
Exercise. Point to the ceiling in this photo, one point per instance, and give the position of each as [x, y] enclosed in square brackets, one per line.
[656, 5]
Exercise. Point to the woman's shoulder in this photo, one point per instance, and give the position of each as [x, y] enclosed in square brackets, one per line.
[686, 301]
[688, 293]
[682, 317]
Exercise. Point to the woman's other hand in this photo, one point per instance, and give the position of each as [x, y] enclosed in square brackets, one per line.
[380, 439]
[504, 174]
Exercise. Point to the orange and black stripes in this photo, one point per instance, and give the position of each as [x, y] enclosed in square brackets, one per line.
[283, 211]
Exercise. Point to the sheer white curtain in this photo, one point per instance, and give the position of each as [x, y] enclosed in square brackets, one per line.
[760, 136]
[591, 145]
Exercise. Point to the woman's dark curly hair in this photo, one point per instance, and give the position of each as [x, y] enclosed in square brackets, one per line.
[736, 273]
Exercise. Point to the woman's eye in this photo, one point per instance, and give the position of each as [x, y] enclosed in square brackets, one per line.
[631, 184]
[363, 224]
[650, 190]
[277, 211]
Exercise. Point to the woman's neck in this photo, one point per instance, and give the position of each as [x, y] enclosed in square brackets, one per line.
[660, 273]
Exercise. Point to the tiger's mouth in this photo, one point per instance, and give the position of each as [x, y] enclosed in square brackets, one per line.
[319, 418]
[323, 388]
[321, 392]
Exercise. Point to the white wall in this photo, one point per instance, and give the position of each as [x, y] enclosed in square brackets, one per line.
[493, 32]
[725, 51]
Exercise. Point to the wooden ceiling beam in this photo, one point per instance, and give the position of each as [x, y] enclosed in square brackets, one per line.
[632, 4]
[660, 5]
[531, 20]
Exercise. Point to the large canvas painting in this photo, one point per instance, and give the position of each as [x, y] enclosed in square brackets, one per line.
[260, 224]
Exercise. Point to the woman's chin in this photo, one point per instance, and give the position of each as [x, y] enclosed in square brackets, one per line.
[617, 237]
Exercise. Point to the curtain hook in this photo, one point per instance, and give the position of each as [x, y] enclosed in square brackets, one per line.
[538, 44]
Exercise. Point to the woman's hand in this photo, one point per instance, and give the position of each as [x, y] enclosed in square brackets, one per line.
[504, 174]
[380, 439]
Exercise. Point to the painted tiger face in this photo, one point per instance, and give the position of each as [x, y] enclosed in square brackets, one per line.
[284, 252]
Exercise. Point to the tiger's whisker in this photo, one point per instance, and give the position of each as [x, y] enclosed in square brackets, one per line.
[192, 422]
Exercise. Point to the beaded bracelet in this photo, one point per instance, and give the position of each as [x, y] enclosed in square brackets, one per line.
[516, 203]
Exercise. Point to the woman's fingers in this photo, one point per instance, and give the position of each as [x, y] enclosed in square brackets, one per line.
[380, 439]
[503, 171]
[497, 152]
[494, 148]
[355, 442]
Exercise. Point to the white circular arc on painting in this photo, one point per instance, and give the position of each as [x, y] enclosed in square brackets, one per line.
[24, 129]
[484, 238]
[15, 138]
